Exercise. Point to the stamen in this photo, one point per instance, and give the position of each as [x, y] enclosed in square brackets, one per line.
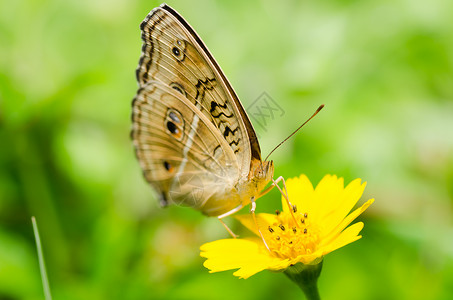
[302, 221]
[277, 212]
[290, 242]
[294, 229]
[305, 230]
[277, 238]
[270, 229]
[294, 208]
[305, 215]
[282, 227]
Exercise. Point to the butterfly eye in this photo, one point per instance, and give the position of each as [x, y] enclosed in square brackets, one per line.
[168, 166]
[178, 49]
[174, 123]
[172, 128]
[177, 53]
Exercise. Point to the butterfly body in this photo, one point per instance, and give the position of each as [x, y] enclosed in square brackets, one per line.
[192, 137]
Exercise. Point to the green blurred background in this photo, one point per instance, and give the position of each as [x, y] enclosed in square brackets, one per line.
[384, 70]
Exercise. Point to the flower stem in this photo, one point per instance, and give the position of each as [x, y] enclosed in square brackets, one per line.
[306, 277]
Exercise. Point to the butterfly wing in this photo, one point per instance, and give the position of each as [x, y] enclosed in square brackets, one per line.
[182, 154]
[173, 54]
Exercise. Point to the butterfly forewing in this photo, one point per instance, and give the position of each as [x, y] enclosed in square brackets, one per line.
[176, 56]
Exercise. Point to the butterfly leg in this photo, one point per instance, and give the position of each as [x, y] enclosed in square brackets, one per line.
[228, 229]
[228, 213]
[275, 184]
[252, 211]
[284, 192]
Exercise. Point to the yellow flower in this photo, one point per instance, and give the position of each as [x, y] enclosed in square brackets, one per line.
[313, 227]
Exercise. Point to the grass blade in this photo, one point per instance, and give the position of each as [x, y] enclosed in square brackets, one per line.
[42, 266]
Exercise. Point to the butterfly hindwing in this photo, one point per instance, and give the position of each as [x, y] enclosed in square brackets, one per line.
[165, 127]
[175, 55]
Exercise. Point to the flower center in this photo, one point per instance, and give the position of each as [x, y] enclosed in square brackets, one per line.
[288, 239]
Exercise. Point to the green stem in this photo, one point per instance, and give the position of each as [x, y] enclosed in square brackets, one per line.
[306, 277]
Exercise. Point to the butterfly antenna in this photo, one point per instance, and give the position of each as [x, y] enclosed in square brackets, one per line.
[294, 132]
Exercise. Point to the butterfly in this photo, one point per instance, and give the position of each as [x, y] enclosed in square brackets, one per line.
[192, 137]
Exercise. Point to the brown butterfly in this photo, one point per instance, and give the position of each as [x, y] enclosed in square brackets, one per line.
[192, 136]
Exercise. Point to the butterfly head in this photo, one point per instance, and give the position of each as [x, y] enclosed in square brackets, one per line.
[262, 170]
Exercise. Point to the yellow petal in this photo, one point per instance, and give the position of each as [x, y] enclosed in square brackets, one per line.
[351, 217]
[263, 220]
[342, 205]
[307, 258]
[249, 255]
[348, 236]
[275, 265]
[300, 192]
[326, 192]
